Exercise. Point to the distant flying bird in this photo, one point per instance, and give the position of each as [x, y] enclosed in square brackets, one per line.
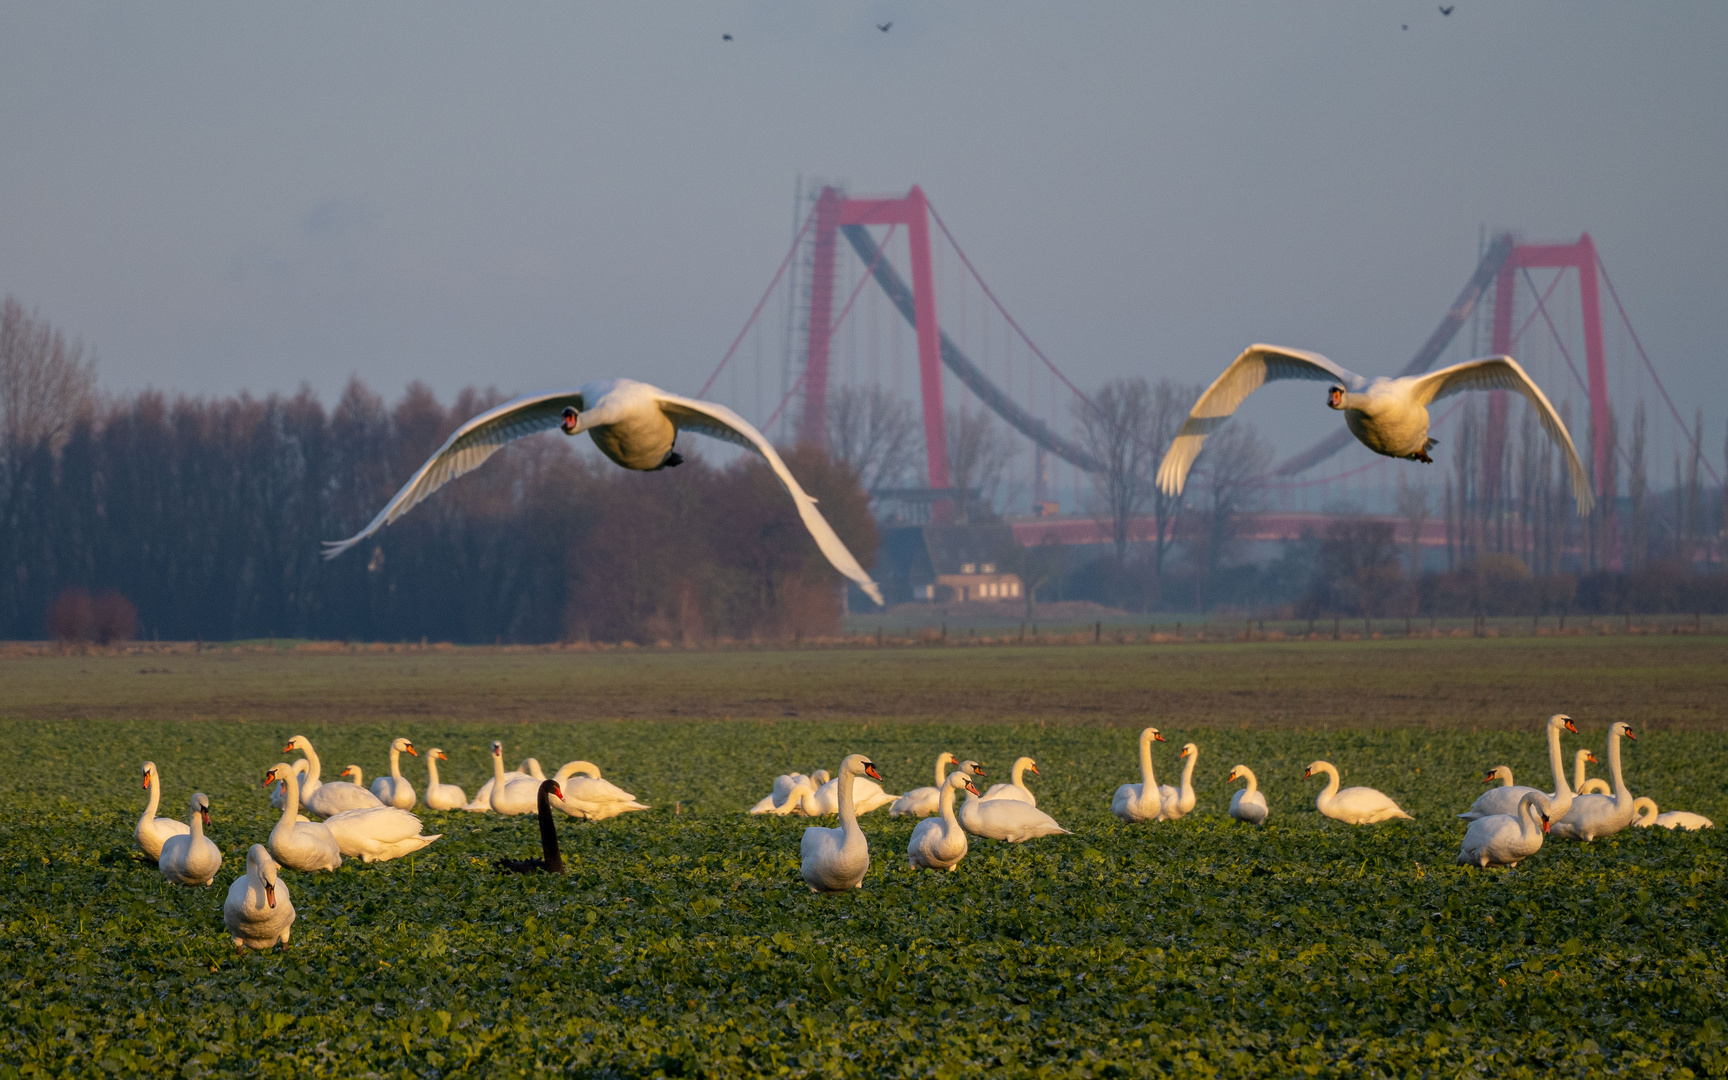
[1447, 10]
[1388, 416]
[634, 424]
[725, 37]
[884, 26]
[1406, 26]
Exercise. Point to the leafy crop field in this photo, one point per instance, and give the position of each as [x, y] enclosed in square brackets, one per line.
[682, 943]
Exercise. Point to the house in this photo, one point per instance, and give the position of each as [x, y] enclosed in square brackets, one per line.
[949, 563]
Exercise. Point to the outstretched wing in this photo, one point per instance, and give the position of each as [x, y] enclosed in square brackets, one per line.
[1503, 373]
[467, 450]
[1257, 366]
[719, 422]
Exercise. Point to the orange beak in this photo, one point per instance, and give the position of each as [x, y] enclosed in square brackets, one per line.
[270, 778]
[557, 791]
[442, 757]
[205, 814]
[972, 789]
[1306, 773]
[1631, 737]
[1570, 726]
[569, 421]
[870, 771]
[1489, 779]
[289, 749]
[270, 894]
[411, 750]
[1591, 758]
[1158, 736]
[1033, 769]
[1545, 823]
[146, 781]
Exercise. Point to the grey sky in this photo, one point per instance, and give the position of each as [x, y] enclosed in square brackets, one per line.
[223, 197]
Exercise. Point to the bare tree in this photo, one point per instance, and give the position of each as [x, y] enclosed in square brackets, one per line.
[1115, 427]
[1231, 467]
[873, 432]
[45, 380]
[1637, 486]
[1413, 507]
[978, 453]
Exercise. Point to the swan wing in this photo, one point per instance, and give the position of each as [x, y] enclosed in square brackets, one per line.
[1257, 366]
[719, 422]
[1503, 373]
[466, 450]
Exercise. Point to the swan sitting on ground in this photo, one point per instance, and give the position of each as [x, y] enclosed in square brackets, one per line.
[1388, 416]
[395, 790]
[512, 796]
[587, 795]
[190, 858]
[336, 797]
[924, 801]
[1587, 785]
[441, 796]
[1353, 805]
[1143, 801]
[527, 769]
[833, 860]
[1504, 800]
[867, 796]
[1502, 773]
[1594, 816]
[154, 831]
[772, 802]
[314, 778]
[1016, 787]
[634, 424]
[377, 834]
[939, 843]
[303, 768]
[1008, 820]
[258, 911]
[1249, 804]
[295, 842]
[1504, 839]
[1673, 819]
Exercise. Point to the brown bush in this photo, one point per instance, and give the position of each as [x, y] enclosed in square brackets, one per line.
[113, 618]
[72, 616]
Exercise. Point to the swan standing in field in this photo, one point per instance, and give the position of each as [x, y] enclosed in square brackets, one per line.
[1353, 805]
[294, 842]
[939, 843]
[395, 790]
[313, 778]
[634, 424]
[1388, 416]
[550, 860]
[924, 801]
[1593, 816]
[1249, 804]
[1646, 809]
[190, 858]
[1016, 787]
[258, 911]
[586, 794]
[833, 860]
[511, 796]
[441, 796]
[1147, 801]
[1503, 801]
[1587, 785]
[154, 831]
[1506, 839]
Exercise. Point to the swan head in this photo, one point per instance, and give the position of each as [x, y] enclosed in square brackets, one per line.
[1153, 734]
[1625, 729]
[962, 782]
[551, 788]
[298, 742]
[403, 746]
[497, 748]
[149, 770]
[263, 867]
[1590, 756]
[437, 753]
[1562, 720]
[201, 807]
[1315, 767]
[858, 764]
[1335, 398]
[970, 768]
[571, 424]
[273, 774]
[354, 771]
[1189, 749]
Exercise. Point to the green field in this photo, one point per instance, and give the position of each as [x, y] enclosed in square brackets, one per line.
[682, 943]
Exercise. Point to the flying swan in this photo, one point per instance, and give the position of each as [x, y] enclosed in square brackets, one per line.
[634, 424]
[1388, 416]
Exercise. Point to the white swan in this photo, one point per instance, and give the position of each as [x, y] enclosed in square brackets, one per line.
[1502, 773]
[1587, 785]
[377, 833]
[298, 844]
[1016, 787]
[1593, 816]
[190, 858]
[153, 831]
[512, 796]
[1009, 820]
[1354, 805]
[258, 911]
[939, 843]
[337, 797]
[924, 801]
[281, 790]
[1388, 416]
[314, 777]
[1185, 797]
[1506, 839]
[634, 424]
[395, 790]
[1673, 819]
[832, 860]
[867, 796]
[526, 769]
[1146, 801]
[588, 795]
[1249, 804]
[772, 802]
[1503, 801]
[441, 796]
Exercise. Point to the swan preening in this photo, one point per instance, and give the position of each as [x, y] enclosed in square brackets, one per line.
[1388, 416]
[1646, 809]
[154, 831]
[190, 858]
[395, 790]
[550, 860]
[1147, 801]
[1592, 816]
[833, 860]
[1354, 805]
[258, 911]
[1504, 800]
[1505, 839]
[1248, 804]
[634, 424]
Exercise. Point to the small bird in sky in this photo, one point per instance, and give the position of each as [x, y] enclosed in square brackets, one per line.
[883, 26]
[725, 37]
[1447, 9]
[1406, 26]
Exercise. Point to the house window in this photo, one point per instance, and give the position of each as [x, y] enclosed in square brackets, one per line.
[968, 568]
[988, 568]
[1013, 588]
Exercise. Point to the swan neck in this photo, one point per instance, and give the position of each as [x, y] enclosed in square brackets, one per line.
[1018, 776]
[197, 824]
[1253, 784]
[1149, 782]
[946, 800]
[1578, 769]
[290, 799]
[498, 768]
[1557, 762]
[1188, 774]
[941, 770]
[313, 769]
[395, 763]
[848, 808]
[549, 834]
[432, 769]
[154, 800]
[1622, 796]
[1331, 772]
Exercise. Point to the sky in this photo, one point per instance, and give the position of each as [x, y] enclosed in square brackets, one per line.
[221, 197]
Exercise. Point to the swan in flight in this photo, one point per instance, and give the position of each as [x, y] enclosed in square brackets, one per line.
[634, 424]
[1249, 804]
[1354, 805]
[1504, 800]
[1388, 416]
[154, 831]
[833, 860]
[258, 912]
[1505, 839]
